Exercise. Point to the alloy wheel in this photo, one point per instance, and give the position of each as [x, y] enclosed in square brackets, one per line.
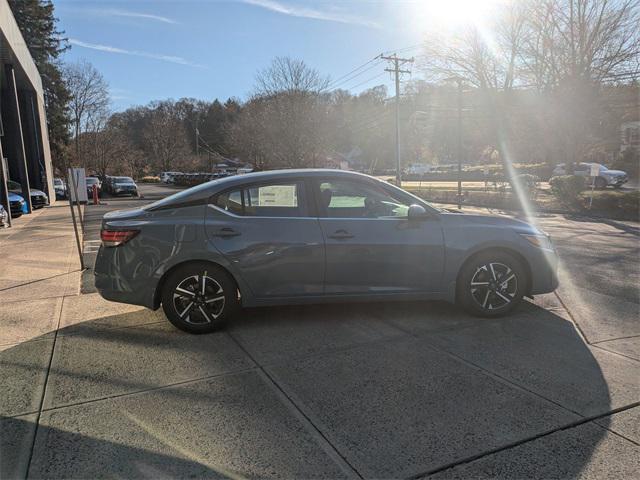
[198, 299]
[494, 286]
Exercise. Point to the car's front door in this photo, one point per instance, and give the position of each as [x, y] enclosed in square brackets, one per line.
[371, 245]
[268, 234]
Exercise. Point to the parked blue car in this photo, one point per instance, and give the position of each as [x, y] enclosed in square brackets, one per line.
[17, 205]
[309, 236]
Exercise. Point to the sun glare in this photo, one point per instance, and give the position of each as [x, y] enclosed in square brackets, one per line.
[451, 14]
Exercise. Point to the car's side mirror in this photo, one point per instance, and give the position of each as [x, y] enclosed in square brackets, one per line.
[416, 212]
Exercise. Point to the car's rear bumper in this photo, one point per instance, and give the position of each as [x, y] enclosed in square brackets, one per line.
[119, 286]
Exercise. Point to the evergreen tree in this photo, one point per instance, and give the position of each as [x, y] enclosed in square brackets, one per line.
[37, 24]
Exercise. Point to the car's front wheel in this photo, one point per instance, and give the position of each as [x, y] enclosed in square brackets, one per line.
[199, 297]
[491, 284]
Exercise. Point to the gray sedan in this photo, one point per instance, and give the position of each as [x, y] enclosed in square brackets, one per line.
[309, 236]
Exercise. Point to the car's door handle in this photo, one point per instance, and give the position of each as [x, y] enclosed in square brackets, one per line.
[226, 232]
[340, 235]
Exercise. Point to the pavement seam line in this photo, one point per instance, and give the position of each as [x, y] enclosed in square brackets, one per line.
[532, 438]
[616, 353]
[147, 390]
[616, 433]
[39, 280]
[325, 444]
[614, 339]
[572, 317]
[44, 390]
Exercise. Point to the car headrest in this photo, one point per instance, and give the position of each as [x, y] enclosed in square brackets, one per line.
[326, 197]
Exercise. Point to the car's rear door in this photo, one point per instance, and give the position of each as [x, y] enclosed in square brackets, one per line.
[269, 233]
[371, 245]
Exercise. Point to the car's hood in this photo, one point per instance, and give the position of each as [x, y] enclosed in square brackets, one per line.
[489, 220]
[614, 173]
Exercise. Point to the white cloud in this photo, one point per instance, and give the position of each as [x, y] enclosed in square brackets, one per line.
[126, 13]
[147, 16]
[135, 53]
[305, 12]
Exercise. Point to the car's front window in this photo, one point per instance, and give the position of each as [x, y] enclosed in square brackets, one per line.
[349, 199]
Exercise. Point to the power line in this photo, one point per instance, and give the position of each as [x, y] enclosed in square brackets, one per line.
[366, 81]
[347, 80]
[339, 79]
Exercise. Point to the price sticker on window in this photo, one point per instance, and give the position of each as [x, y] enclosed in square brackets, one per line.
[277, 196]
[595, 170]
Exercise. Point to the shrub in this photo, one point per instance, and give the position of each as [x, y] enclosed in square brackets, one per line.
[529, 183]
[567, 189]
[150, 179]
[614, 204]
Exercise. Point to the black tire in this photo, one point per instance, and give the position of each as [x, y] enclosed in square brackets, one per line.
[600, 183]
[205, 314]
[489, 300]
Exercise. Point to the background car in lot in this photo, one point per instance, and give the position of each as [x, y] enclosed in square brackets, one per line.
[91, 181]
[60, 188]
[39, 199]
[17, 204]
[605, 178]
[122, 186]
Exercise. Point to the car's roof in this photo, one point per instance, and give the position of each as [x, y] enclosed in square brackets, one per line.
[286, 173]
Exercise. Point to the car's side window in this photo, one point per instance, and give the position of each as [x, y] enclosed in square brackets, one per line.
[352, 199]
[265, 200]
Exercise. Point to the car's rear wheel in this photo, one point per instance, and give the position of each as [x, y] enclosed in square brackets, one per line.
[491, 284]
[199, 297]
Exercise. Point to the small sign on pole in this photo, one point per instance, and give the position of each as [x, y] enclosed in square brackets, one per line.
[593, 173]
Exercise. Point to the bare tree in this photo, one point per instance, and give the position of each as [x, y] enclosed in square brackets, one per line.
[288, 75]
[165, 137]
[89, 95]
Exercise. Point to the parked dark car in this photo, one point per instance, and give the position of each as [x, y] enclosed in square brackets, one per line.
[122, 186]
[91, 181]
[17, 205]
[39, 199]
[60, 188]
[305, 236]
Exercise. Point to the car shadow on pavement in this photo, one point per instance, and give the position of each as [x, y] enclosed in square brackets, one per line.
[398, 389]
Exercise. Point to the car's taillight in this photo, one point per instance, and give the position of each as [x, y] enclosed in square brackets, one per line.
[114, 238]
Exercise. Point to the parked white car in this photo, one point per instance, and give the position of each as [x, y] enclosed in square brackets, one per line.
[168, 177]
[605, 178]
[417, 169]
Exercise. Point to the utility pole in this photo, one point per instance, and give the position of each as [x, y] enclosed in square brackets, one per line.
[459, 144]
[397, 63]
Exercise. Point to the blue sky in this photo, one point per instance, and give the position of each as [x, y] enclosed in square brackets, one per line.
[149, 50]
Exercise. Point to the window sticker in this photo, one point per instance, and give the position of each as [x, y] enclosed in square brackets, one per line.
[277, 196]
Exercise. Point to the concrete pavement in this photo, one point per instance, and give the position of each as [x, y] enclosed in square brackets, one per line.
[395, 390]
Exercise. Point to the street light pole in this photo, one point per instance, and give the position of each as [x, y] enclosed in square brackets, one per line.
[459, 144]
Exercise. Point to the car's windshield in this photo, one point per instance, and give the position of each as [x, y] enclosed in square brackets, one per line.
[121, 180]
[11, 185]
[91, 180]
[58, 183]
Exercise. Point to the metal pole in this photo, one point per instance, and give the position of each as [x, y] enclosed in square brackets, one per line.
[398, 172]
[75, 225]
[75, 190]
[459, 145]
